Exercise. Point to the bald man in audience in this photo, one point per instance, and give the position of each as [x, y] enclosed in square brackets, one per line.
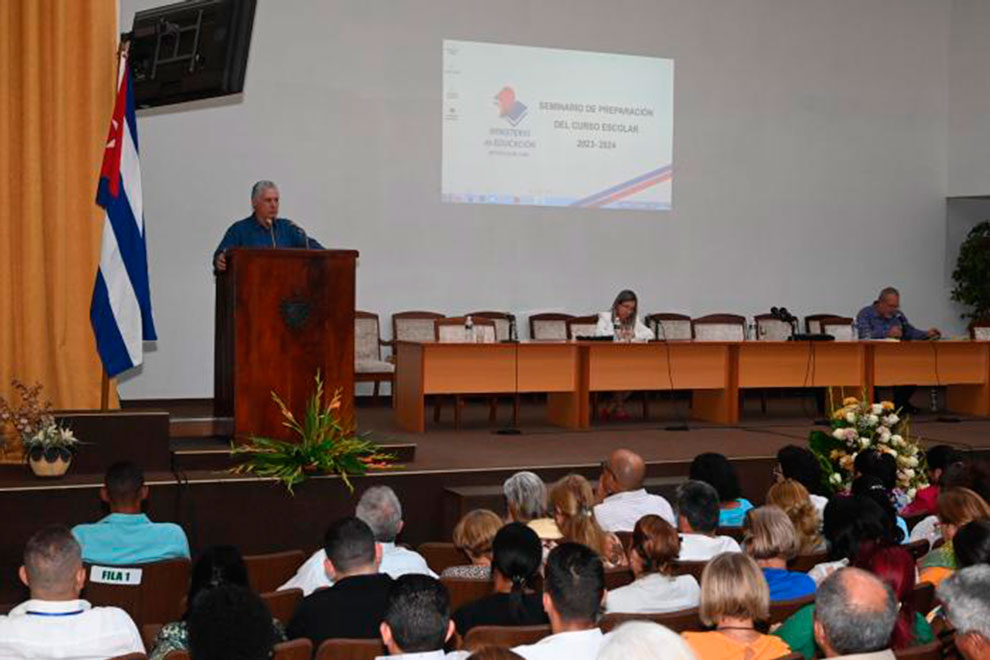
[623, 499]
[855, 613]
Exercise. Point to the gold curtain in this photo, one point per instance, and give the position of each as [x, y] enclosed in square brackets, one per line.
[57, 82]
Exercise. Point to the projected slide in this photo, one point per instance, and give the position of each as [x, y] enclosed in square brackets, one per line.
[549, 127]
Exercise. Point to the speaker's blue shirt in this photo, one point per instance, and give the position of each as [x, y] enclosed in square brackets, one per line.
[130, 538]
[870, 324]
[250, 233]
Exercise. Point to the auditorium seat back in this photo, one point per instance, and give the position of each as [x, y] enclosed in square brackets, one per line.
[694, 568]
[782, 609]
[678, 621]
[719, 327]
[150, 593]
[439, 556]
[582, 326]
[295, 649]
[414, 326]
[672, 326]
[282, 604]
[930, 651]
[618, 577]
[548, 326]
[504, 636]
[270, 571]
[839, 327]
[350, 649]
[464, 590]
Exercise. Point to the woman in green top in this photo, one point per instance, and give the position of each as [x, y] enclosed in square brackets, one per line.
[896, 567]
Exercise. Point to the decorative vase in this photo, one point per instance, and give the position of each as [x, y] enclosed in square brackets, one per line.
[49, 464]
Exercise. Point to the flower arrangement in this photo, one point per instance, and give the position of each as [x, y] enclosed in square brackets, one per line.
[326, 445]
[859, 426]
[41, 436]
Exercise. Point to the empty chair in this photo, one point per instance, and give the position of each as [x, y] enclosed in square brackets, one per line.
[503, 323]
[678, 621]
[813, 322]
[719, 327]
[670, 326]
[504, 636]
[979, 330]
[282, 604]
[267, 572]
[150, 593]
[840, 327]
[440, 556]
[414, 326]
[453, 330]
[368, 363]
[582, 326]
[549, 326]
[350, 649]
[770, 328]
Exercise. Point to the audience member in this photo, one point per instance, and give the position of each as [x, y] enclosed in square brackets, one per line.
[697, 520]
[956, 507]
[896, 567]
[958, 475]
[572, 501]
[644, 640]
[526, 502]
[574, 594]
[872, 488]
[851, 524]
[791, 497]
[655, 547]
[230, 623]
[353, 606]
[883, 466]
[416, 623]
[771, 541]
[623, 500]
[799, 464]
[379, 507]
[972, 544]
[218, 566]
[516, 560]
[938, 459]
[127, 536]
[855, 613]
[473, 536]
[734, 598]
[716, 470]
[55, 623]
[966, 599]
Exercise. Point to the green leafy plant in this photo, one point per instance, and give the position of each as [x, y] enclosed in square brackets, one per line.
[326, 445]
[972, 273]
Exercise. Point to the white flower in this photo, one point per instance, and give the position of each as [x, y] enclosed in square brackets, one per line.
[904, 461]
[896, 440]
[864, 443]
[909, 474]
[839, 434]
[891, 419]
[912, 461]
[836, 478]
[876, 409]
[851, 418]
[872, 420]
[911, 492]
[883, 433]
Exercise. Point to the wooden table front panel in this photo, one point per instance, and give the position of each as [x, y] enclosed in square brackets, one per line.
[801, 364]
[469, 368]
[930, 363]
[548, 367]
[623, 367]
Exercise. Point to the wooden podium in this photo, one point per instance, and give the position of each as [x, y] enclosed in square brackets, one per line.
[281, 315]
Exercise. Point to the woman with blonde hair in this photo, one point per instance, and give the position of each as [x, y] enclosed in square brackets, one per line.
[734, 597]
[793, 499]
[572, 501]
[473, 536]
[955, 508]
[770, 539]
[655, 546]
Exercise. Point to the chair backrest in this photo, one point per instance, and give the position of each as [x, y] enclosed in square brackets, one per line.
[929, 651]
[804, 563]
[367, 336]
[282, 604]
[296, 649]
[440, 555]
[678, 621]
[618, 577]
[979, 330]
[150, 593]
[672, 326]
[794, 655]
[414, 326]
[504, 636]
[627, 540]
[918, 549]
[502, 322]
[451, 330]
[130, 656]
[719, 327]
[177, 654]
[694, 568]
[549, 325]
[923, 597]
[840, 327]
[270, 571]
[149, 633]
[350, 649]
[782, 609]
[769, 328]
[465, 590]
[813, 322]
[582, 326]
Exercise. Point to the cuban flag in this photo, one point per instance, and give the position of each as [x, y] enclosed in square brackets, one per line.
[121, 307]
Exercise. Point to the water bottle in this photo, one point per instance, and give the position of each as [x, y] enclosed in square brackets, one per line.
[469, 329]
[616, 330]
[751, 330]
[513, 331]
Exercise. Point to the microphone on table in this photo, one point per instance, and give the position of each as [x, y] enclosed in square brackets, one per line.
[300, 231]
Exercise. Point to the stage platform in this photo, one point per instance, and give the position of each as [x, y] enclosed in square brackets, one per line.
[449, 472]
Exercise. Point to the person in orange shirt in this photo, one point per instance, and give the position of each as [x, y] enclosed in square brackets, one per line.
[956, 507]
[734, 596]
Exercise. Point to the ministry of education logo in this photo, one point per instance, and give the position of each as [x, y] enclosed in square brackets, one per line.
[509, 108]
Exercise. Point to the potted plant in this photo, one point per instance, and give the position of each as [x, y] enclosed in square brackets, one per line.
[972, 273]
[326, 445]
[47, 446]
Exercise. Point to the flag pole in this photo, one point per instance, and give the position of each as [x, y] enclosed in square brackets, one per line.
[105, 392]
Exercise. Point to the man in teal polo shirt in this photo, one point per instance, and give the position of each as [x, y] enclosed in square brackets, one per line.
[127, 536]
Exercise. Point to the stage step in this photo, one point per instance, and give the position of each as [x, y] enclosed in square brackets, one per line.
[213, 453]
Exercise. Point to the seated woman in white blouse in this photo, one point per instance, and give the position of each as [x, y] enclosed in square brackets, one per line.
[622, 320]
[655, 589]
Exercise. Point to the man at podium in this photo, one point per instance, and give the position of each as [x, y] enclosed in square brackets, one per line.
[263, 228]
